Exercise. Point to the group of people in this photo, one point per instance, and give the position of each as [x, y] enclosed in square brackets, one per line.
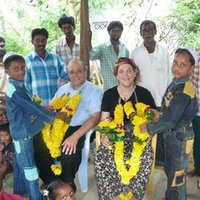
[144, 76]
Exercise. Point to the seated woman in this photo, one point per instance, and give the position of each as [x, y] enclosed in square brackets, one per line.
[109, 180]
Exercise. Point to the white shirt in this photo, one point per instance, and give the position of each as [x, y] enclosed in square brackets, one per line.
[154, 68]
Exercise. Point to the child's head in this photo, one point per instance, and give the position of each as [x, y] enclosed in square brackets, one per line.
[184, 62]
[3, 116]
[5, 137]
[14, 66]
[59, 190]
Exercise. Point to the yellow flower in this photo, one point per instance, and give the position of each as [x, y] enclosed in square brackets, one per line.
[53, 134]
[115, 125]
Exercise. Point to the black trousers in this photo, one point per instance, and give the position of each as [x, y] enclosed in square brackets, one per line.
[70, 163]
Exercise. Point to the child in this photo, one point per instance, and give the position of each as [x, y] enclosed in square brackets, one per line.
[6, 152]
[26, 119]
[59, 190]
[179, 107]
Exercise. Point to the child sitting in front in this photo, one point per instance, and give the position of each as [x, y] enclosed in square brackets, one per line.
[58, 189]
[6, 152]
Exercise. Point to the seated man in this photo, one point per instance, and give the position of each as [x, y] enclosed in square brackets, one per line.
[86, 116]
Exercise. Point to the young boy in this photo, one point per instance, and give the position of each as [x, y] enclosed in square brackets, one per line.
[6, 152]
[26, 119]
[179, 107]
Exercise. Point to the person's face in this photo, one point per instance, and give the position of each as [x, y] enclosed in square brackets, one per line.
[147, 32]
[77, 74]
[65, 193]
[2, 46]
[115, 33]
[39, 42]
[181, 65]
[16, 70]
[68, 30]
[126, 75]
[5, 137]
[3, 117]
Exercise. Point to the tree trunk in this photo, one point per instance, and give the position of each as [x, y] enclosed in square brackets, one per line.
[84, 34]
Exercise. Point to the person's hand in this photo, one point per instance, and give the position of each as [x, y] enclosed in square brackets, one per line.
[61, 115]
[2, 146]
[143, 128]
[105, 140]
[156, 114]
[69, 145]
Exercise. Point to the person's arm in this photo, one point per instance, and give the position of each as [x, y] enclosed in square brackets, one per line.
[62, 68]
[69, 145]
[1, 153]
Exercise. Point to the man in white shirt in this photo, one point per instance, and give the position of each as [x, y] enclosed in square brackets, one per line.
[153, 61]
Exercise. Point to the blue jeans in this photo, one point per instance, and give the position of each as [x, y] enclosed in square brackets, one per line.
[177, 146]
[26, 179]
[196, 147]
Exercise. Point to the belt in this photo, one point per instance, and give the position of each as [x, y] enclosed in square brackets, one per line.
[184, 128]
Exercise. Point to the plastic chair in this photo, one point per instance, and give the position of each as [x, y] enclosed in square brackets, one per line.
[83, 168]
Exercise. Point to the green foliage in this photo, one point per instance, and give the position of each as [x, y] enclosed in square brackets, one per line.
[185, 21]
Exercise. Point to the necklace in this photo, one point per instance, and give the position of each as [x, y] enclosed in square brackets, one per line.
[126, 95]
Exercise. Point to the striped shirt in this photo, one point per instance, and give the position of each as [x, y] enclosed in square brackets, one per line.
[196, 82]
[107, 57]
[43, 76]
[63, 50]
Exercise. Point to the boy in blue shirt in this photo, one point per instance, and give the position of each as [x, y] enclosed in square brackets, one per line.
[26, 119]
[179, 107]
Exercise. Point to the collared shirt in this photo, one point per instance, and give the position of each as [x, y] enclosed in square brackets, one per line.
[43, 76]
[179, 106]
[154, 68]
[90, 103]
[107, 57]
[65, 52]
[195, 77]
[26, 117]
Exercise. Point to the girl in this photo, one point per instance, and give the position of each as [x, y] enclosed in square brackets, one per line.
[59, 190]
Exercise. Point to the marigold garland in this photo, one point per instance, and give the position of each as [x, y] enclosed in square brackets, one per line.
[127, 170]
[53, 133]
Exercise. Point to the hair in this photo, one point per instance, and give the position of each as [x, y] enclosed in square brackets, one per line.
[184, 51]
[125, 60]
[12, 58]
[82, 63]
[148, 22]
[64, 19]
[39, 31]
[2, 39]
[53, 188]
[5, 128]
[114, 24]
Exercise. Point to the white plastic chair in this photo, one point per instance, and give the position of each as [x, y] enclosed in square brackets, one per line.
[83, 168]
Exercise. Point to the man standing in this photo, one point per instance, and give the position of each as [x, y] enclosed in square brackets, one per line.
[154, 63]
[109, 52]
[44, 70]
[67, 47]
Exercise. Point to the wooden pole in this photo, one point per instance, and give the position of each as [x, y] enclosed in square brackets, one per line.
[84, 34]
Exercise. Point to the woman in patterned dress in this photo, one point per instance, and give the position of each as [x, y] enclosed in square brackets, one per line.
[109, 183]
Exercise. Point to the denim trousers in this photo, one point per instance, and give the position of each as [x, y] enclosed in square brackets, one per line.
[26, 179]
[196, 147]
[177, 146]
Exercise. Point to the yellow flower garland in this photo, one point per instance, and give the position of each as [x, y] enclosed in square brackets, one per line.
[53, 133]
[129, 169]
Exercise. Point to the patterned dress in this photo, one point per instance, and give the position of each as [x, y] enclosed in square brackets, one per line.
[109, 184]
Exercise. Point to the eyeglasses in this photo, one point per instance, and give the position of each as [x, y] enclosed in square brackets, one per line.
[77, 72]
